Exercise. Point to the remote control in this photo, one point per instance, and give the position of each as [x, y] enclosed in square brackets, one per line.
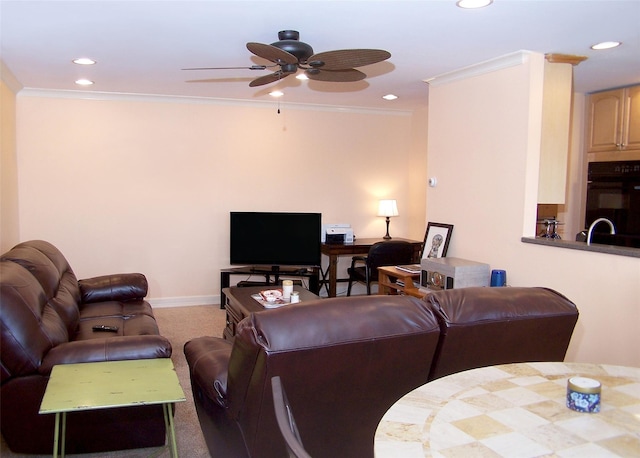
[103, 328]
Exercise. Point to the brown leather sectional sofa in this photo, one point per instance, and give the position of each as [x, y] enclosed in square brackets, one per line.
[345, 361]
[47, 318]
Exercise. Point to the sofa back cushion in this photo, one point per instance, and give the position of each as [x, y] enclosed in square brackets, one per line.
[51, 269]
[30, 326]
[486, 326]
[344, 363]
[39, 296]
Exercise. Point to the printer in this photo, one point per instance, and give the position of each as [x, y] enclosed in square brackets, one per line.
[337, 233]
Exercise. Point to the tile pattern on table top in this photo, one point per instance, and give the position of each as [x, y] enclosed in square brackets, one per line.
[515, 410]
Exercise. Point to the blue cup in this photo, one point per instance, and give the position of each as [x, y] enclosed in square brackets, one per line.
[498, 278]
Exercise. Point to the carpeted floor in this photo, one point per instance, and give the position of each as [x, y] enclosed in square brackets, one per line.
[179, 325]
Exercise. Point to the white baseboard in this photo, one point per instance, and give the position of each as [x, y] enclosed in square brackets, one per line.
[185, 301]
[189, 301]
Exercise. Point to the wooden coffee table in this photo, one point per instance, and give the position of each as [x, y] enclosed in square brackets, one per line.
[110, 384]
[240, 304]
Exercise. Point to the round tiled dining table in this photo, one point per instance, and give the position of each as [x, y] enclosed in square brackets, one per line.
[514, 410]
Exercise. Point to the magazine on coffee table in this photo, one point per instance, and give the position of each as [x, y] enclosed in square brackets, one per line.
[270, 298]
[411, 268]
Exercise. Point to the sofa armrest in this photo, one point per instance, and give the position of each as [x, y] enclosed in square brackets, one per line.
[108, 349]
[117, 287]
[208, 359]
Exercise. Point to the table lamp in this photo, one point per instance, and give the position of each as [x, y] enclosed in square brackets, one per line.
[387, 208]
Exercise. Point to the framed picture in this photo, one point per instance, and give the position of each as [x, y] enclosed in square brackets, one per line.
[436, 240]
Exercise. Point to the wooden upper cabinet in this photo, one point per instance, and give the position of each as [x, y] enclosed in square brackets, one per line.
[614, 120]
[631, 136]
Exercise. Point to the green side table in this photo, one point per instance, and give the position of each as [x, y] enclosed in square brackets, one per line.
[110, 384]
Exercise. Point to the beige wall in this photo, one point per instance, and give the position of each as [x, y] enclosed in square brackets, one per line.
[9, 222]
[146, 184]
[487, 183]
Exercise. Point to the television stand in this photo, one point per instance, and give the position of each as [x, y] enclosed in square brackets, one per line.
[271, 275]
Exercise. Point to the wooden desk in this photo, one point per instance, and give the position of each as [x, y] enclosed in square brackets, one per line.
[514, 410]
[388, 277]
[360, 247]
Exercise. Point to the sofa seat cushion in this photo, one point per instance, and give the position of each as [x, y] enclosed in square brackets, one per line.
[106, 349]
[136, 325]
[116, 309]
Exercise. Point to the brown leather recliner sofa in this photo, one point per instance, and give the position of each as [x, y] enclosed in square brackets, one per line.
[46, 318]
[345, 361]
[486, 326]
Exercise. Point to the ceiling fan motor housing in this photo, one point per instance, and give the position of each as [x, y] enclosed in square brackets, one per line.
[290, 42]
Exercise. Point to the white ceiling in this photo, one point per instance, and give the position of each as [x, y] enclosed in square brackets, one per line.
[141, 46]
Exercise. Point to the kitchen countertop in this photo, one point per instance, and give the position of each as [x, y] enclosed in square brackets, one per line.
[594, 247]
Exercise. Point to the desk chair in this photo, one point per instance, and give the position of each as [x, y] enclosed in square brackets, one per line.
[286, 423]
[364, 269]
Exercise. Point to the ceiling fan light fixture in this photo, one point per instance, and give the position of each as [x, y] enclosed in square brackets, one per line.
[302, 76]
[606, 45]
[290, 42]
[291, 55]
[289, 68]
[471, 4]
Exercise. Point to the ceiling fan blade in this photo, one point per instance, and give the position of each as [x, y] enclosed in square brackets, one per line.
[253, 67]
[272, 53]
[347, 58]
[335, 76]
[268, 78]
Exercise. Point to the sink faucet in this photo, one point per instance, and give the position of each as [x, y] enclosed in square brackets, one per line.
[595, 223]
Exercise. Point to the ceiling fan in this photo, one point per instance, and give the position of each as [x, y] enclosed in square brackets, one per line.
[291, 54]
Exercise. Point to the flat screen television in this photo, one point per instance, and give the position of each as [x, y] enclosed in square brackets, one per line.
[275, 239]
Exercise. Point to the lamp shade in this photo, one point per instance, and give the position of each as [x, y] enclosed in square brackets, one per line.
[388, 207]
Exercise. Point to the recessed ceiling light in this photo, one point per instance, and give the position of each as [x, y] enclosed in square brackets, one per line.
[606, 45]
[473, 3]
[84, 61]
[390, 97]
[276, 93]
[302, 76]
[84, 82]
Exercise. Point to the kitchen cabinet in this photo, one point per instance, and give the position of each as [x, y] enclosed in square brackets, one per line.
[613, 130]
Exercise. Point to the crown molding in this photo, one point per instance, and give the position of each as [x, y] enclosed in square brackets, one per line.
[9, 78]
[481, 68]
[129, 97]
